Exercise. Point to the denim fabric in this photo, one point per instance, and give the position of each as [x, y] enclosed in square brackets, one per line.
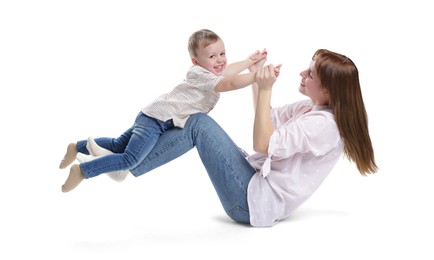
[129, 149]
[226, 164]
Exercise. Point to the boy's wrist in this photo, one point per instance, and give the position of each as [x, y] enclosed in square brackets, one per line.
[252, 61]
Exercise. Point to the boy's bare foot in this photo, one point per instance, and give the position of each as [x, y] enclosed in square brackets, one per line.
[71, 153]
[74, 178]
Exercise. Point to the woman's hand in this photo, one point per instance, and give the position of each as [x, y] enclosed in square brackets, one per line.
[267, 75]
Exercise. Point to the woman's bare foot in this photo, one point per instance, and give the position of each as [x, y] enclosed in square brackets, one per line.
[71, 153]
[74, 178]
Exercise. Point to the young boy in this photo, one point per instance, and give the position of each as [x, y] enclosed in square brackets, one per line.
[199, 92]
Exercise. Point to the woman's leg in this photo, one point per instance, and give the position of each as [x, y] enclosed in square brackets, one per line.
[226, 165]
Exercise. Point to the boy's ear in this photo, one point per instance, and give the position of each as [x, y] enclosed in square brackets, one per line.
[193, 60]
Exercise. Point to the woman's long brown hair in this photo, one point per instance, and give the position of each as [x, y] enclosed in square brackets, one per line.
[339, 77]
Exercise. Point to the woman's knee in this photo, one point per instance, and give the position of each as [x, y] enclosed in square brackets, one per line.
[200, 121]
[200, 118]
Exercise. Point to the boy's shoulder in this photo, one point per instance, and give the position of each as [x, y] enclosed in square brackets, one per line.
[198, 69]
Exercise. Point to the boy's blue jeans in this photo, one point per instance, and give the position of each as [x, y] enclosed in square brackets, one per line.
[129, 149]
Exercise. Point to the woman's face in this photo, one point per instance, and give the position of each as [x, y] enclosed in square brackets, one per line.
[310, 86]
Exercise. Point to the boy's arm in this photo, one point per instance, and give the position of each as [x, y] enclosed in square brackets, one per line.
[234, 82]
[237, 67]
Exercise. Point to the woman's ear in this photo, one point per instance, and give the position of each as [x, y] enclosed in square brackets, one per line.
[325, 92]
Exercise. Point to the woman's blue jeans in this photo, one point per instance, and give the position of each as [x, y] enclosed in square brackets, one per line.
[225, 163]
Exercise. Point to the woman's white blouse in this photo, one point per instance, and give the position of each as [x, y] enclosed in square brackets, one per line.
[303, 149]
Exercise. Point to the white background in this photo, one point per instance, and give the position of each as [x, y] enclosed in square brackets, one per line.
[73, 69]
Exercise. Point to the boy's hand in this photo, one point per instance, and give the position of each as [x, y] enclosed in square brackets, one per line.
[259, 58]
[258, 55]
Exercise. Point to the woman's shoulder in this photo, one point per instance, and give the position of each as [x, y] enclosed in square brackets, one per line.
[301, 103]
[320, 123]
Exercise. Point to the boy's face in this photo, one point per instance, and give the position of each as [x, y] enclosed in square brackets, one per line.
[212, 57]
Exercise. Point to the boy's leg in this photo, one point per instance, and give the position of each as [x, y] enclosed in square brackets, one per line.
[98, 151]
[145, 134]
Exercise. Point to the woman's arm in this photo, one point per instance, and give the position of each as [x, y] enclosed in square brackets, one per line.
[263, 127]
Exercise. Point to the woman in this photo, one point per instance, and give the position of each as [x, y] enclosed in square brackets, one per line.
[296, 145]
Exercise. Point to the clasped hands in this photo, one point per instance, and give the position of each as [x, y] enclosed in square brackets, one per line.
[265, 75]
